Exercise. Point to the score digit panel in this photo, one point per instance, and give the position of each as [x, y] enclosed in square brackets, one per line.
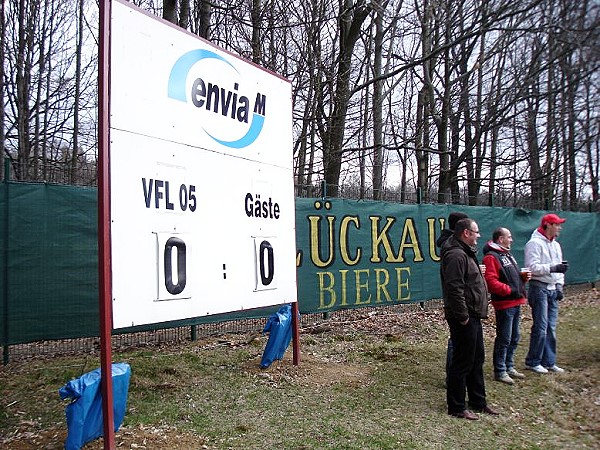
[202, 198]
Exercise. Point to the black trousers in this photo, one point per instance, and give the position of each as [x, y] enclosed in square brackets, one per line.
[466, 371]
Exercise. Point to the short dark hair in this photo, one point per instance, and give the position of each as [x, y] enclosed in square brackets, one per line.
[498, 233]
[462, 225]
[455, 217]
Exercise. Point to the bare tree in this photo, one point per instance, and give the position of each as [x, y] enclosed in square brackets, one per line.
[378, 103]
[455, 99]
[39, 115]
[78, 64]
[352, 14]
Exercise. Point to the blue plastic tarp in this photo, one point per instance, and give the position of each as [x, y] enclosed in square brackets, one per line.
[279, 327]
[84, 413]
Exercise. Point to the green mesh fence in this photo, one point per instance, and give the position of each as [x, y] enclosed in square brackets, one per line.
[351, 254]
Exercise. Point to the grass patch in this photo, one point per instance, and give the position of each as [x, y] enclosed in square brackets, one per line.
[358, 386]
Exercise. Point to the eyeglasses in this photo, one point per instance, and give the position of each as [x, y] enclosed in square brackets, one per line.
[473, 231]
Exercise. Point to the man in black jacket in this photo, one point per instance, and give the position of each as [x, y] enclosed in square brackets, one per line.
[465, 304]
[453, 217]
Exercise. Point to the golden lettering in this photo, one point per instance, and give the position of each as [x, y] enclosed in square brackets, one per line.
[432, 238]
[360, 286]
[344, 240]
[381, 287]
[323, 289]
[344, 301]
[410, 240]
[403, 284]
[332, 289]
[378, 239]
[315, 241]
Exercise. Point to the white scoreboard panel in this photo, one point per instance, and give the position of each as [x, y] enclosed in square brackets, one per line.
[201, 189]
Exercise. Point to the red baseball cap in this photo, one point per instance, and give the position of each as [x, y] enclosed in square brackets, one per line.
[552, 218]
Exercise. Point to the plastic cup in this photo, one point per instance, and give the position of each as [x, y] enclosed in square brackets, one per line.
[525, 274]
[482, 268]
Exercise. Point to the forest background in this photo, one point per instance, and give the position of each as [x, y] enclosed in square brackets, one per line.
[455, 101]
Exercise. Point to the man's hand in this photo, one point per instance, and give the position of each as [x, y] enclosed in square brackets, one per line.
[561, 268]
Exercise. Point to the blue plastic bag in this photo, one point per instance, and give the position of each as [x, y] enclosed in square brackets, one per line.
[279, 327]
[84, 413]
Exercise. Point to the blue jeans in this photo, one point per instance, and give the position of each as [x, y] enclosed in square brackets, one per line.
[507, 338]
[544, 310]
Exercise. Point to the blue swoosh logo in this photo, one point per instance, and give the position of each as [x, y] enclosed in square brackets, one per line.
[248, 138]
[176, 91]
[179, 72]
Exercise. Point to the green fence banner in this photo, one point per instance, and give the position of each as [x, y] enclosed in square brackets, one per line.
[365, 253]
[350, 254]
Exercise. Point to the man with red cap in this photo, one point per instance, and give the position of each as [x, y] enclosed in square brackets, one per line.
[543, 256]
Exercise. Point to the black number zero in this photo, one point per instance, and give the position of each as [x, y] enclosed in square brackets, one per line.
[179, 246]
[266, 273]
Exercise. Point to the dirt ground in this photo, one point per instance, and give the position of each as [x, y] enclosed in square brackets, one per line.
[310, 371]
[413, 325]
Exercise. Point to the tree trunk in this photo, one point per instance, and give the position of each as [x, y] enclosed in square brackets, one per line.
[378, 105]
[533, 151]
[23, 80]
[46, 115]
[204, 19]
[184, 14]
[255, 19]
[76, 99]
[170, 10]
[351, 19]
[426, 106]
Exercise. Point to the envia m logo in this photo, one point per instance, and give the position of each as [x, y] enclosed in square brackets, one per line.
[217, 99]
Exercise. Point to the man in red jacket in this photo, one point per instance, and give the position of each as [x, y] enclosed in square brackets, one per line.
[507, 289]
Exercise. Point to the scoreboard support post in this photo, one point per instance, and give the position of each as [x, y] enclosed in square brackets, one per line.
[104, 266]
[295, 334]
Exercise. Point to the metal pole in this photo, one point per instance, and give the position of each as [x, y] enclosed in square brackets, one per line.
[5, 225]
[104, 261]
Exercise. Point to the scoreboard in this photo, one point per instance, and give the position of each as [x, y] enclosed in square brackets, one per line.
[201, 176]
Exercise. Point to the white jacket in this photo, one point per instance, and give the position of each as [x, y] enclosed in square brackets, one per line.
[540, 254]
